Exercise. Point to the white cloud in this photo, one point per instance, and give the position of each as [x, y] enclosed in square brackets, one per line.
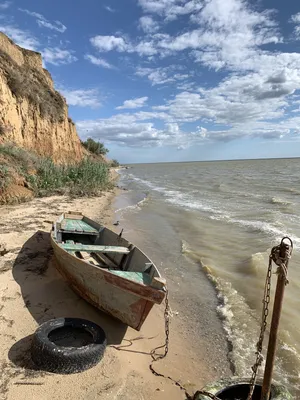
[22, 38]
[100, 62]
[43, 22]
[82, 97]
[162, 75]
[109, 9]
[126, 129]
[4, 5]
[57, 27]
[58, 56]
[108, 43]
[148, 25]
[170, 9]
[295, 19]
[121, 129]
[133, 103]
[229, 33]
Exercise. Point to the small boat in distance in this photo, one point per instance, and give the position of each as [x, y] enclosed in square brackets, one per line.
[105, 269]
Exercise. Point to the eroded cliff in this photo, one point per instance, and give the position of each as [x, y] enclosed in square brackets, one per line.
[33, 115]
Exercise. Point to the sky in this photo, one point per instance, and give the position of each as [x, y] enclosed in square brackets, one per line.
[171, 80]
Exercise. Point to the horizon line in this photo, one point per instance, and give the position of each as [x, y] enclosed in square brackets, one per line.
[217, 160]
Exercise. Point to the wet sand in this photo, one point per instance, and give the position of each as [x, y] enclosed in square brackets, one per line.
[32, 291]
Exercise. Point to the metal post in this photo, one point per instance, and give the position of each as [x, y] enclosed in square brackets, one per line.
[281, 282]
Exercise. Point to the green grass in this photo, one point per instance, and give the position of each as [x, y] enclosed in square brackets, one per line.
[86, 178]
[4, 177]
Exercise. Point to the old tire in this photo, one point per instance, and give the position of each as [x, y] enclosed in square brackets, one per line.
[67, 345]
[278, 392]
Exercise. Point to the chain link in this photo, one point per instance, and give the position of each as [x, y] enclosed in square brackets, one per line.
[279, 255]
[259, 345]
[155, 356]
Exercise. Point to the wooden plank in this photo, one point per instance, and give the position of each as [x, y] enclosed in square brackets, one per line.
[78, 226]
[95, 248]
[86, 227]
[73, 215]
[158, 283]
[139, 277]
[75, 225]
[79, 233]
[88, 257]
[104, 260]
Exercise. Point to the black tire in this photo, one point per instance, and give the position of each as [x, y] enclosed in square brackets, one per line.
[50, 355]
[278, 392]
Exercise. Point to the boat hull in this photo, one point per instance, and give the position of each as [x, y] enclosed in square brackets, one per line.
[121, 298]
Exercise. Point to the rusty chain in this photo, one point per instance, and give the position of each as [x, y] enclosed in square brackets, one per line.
[280, 261]
[265, 312]
[156, 357]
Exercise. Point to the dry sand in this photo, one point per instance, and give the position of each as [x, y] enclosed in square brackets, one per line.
[32, 291]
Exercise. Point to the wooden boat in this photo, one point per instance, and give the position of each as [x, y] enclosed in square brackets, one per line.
[105, 269]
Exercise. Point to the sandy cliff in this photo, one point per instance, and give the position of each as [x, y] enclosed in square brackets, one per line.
[33, 114]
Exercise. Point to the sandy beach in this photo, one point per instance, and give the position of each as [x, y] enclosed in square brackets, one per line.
[32, 291]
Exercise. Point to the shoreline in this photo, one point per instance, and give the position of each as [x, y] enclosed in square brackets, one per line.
[32, 292]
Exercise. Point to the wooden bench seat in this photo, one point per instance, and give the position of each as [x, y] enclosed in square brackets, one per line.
[139, 277]
[94, 248]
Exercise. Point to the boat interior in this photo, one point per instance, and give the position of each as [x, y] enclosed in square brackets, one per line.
[105, 249]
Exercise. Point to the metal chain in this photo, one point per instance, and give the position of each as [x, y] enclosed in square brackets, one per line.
[265, 312]
[281, 262]
[156, 357]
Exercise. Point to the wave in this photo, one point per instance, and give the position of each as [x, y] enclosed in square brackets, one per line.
[187, 201]
[235, 315]
[277, 200]
[132, 207]
[241, 324]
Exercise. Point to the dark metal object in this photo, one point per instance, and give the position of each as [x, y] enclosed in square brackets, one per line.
[280, 255]
[259, 345]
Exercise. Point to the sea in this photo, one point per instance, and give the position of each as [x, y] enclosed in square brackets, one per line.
[218, 221]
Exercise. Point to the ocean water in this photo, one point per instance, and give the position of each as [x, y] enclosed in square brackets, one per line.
[217, 221]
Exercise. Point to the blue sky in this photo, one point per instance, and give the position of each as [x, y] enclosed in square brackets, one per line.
[171, 80]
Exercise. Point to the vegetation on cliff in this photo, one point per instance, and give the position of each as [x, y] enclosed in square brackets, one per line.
[29, 83]
[43, 177]
[40, 151]
[95, 147]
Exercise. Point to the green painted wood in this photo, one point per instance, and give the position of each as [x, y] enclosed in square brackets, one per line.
[139, 277]
[94, 248]
[77, 225]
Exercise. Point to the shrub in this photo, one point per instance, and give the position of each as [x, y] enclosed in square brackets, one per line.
[21, 157]
[95, 147]
[85, 178]
[4, 176]
[114, 163]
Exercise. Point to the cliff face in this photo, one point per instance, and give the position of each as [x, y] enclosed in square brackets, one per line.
[32, 114]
